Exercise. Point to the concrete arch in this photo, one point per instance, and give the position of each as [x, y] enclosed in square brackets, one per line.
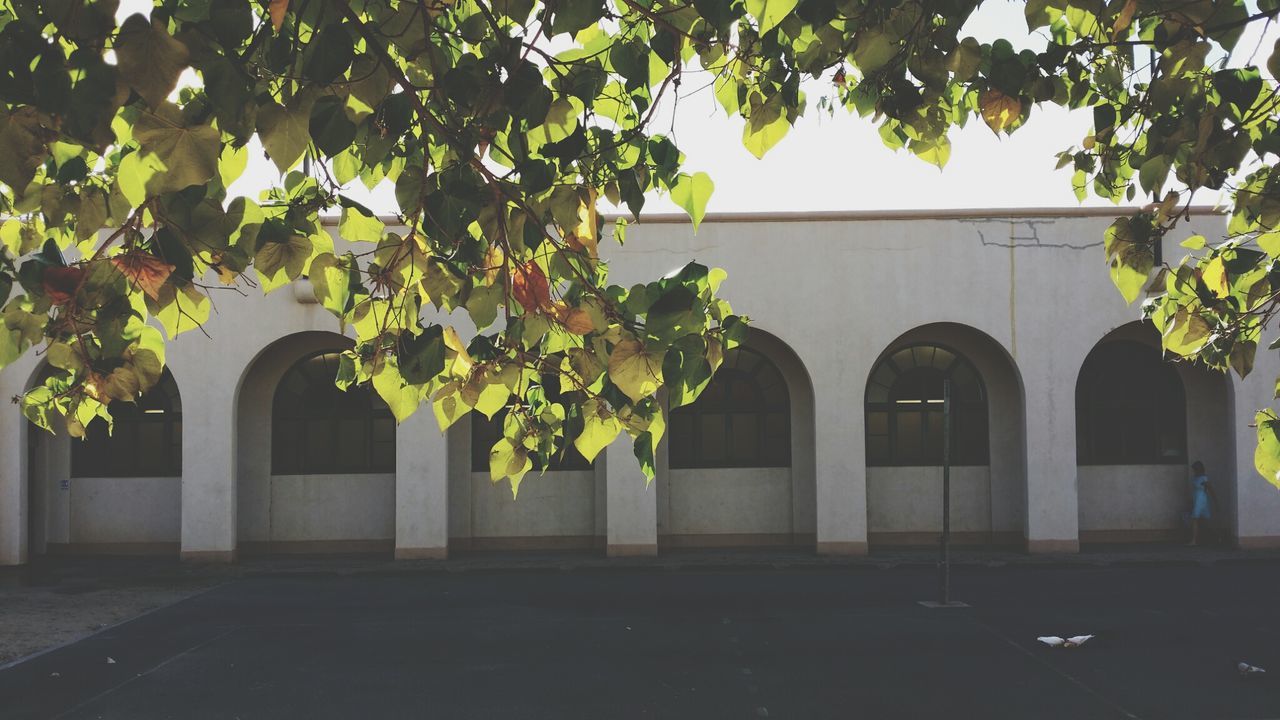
[91, 514]
[988, 503]
[748, 506]
[300, 513]
[1144, 503]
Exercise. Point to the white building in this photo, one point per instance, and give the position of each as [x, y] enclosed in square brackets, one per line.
[821, 433]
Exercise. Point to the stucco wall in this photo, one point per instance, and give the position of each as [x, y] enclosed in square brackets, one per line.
[1133, 497]
[730, 501]
[554, 510]
[555, 504]
[332, 507]
[126, 510]
[909, 500]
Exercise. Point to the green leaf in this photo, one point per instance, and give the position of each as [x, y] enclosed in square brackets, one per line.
[768, 13]
[1153, 173]
[23, 137]
[422, 356]
[330, 128]
[1266, 456]
[1273, 62]
[692, 192]
[965, 60]
[1241, 357]
[874, 50]
[279, 262]
[482, 305]
[149, 59]
[285, 132]
[173, 156]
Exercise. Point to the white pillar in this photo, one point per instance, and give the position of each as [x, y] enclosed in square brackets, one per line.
[208, 472]
[841, 465]
[1053, 521]
[1257, 501]
[422, 488]
[13, 486]
[631, 504]
[13, 463]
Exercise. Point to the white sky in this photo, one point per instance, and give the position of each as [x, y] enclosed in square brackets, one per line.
[837, 162]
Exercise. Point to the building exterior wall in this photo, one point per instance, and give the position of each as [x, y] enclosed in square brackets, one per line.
[1132, 498]
[120, 511]
[1024, 295]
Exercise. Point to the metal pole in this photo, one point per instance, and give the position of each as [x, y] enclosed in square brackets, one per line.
[945, 579]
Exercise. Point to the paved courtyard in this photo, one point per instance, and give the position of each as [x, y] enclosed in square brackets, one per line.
[838, 642]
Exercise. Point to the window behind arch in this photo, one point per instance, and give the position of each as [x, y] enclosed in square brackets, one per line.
[317, 429]
[145, 441]
[904, 409]
[741, 419]
[1131, 408]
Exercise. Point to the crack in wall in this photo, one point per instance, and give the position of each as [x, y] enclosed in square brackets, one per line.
[1031, 237]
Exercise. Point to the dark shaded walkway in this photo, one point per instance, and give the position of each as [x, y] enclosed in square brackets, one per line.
[811, 643]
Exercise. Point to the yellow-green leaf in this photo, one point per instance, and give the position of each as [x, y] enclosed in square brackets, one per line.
[507, 460]
[356, 226]
[636, 371]
[759, 141]
[768, 13]
[692, 192]
[179, 309]
[1215, 277]
[401, 399]
[330, 282]
[599, 428]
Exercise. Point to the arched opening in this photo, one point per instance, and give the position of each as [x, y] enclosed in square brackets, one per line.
[1140, 420]
[737, 466]
[904, 439]
[316, 464]
[559, 509]
[118, 490]
[319, 429]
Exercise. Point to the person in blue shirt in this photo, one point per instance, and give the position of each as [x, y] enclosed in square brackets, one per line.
[1202, 501]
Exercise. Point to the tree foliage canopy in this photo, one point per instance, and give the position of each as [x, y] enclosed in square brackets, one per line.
[502, 124]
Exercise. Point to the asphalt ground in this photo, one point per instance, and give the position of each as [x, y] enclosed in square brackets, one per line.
[847, 642]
